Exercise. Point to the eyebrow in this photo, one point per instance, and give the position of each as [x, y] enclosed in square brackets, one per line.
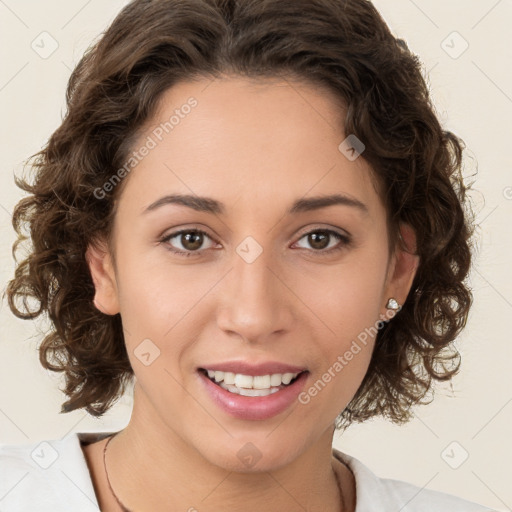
[209, 205]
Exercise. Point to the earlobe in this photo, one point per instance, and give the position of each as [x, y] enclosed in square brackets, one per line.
[103, 277]
[406, 263]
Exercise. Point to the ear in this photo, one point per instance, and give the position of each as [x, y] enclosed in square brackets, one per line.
[403, 267]
[103, 276]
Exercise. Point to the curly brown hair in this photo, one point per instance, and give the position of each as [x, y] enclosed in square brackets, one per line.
[343, 45]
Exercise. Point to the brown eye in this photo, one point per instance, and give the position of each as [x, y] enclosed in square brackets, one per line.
[187, 240]
[191, 241]
[320, 240]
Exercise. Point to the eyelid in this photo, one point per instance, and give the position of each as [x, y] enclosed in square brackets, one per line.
[324, 227]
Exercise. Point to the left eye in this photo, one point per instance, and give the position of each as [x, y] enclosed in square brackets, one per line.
[191, 240]
[320, 238]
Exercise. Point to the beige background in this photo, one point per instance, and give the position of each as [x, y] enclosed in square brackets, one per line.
[473, 96]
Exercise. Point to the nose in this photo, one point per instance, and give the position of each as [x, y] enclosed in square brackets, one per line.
[255, 302]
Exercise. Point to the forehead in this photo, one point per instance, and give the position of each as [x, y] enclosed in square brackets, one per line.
[263, 141]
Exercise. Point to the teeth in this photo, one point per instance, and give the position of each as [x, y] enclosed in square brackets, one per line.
[275, 379]
[241, 381]
[248, 382]
[261, 382]
[229, 378]
[287, 377]
[248, 392]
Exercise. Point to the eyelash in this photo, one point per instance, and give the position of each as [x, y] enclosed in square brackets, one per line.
[346, 241]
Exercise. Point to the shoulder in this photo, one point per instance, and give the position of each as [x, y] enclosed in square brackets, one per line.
[46, 476]
[375, 494]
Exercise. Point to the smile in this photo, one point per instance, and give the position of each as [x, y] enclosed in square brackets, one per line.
[252, 397]
[249, 385]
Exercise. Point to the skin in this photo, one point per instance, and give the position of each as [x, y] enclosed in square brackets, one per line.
[256, 146]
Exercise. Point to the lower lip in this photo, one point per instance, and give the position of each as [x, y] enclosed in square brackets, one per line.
[254, 407]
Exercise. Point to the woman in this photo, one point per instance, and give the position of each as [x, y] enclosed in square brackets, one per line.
[251, 210]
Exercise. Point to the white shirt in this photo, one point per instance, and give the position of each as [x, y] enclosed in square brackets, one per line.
[53, 476]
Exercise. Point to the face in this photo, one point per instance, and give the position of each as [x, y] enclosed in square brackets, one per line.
[252, 271]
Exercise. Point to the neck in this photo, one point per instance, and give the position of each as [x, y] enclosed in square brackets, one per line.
[150, 468]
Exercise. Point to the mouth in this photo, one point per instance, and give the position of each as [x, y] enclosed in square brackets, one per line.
[251, 385]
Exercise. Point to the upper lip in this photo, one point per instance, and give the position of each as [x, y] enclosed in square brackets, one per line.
[246, 368]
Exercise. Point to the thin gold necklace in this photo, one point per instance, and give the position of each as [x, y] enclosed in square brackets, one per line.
[125, 509]
[108, 481]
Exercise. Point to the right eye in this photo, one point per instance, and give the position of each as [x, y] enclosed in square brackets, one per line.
[190, 240]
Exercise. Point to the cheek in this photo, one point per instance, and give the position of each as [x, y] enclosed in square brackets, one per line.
[346, 297]
[347, 300]
[156, 288]
[345, 355]
[336, 382]
[162, 302]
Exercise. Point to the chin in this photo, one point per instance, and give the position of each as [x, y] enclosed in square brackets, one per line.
[253, 453]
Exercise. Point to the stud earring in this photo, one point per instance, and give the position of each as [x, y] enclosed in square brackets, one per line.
[393, 304]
